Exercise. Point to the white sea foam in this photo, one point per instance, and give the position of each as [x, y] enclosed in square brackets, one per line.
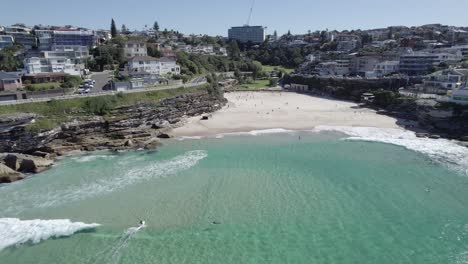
[440, 150]
[14, 232]
[127, 176]
[88, 158]
[189, 138]
[259, 132]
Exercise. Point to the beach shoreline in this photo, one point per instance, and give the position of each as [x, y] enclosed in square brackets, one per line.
[254, 111]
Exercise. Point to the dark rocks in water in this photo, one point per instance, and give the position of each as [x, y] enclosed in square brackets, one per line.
[434, 136]
[465, 138]
[27, 163]
[152, 144]
[7, 175]
[422, 135]
[164, 136]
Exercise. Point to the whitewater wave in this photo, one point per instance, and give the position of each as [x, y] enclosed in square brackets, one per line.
[88, 158]
[189, 138]
[257, 132]
[14, 232]
[440, 150]
[128, 175]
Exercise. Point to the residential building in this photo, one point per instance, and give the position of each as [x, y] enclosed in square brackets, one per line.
[153, 65]
[135, 49]
[362, 64]
[462, 48]
[45, 39]
[74, 38]
[254, 34]
[420, 63]
[26, 39]
[348, 45]
[386, 67]
[10, 82]
[333, 68]
[312, 57]
[447, 79]
[6, 41]
[460, 96]
[221, 51]
[37, 65]
[77, 54]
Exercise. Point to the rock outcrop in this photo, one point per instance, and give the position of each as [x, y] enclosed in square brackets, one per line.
[8, 175]
[135, 126]
[27, 163]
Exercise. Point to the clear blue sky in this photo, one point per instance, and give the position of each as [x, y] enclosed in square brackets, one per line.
[216, 16]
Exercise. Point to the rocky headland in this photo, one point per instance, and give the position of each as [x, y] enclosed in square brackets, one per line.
[139, 126]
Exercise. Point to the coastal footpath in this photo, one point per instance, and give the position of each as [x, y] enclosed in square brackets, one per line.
[136, 126]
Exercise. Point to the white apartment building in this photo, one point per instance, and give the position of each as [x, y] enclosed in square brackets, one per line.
[135, 49]
[153, 65]
[363, 64]
[77, 54]
[447, 79]
[386, 68]
[47, 65]
[333, 68]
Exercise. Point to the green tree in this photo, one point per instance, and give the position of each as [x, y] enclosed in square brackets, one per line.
[156, 26]
[273, 82]
[124, 29]
[113, 29]
[234, 50]
[153, 51]
[8, 60]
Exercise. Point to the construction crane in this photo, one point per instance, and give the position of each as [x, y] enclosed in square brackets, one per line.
[250, 14]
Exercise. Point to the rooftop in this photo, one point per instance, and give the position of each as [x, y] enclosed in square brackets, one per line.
[8, 76]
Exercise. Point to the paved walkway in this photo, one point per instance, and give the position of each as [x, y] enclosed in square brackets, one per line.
[74, 96]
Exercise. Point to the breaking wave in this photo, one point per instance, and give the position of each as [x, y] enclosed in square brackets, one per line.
[128, 175]
[14, 232]
[440, 150]
[258, 132]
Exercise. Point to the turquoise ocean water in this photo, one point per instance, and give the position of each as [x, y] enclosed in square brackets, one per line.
[279, 198]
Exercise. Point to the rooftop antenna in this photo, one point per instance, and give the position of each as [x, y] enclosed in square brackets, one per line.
[250, 14]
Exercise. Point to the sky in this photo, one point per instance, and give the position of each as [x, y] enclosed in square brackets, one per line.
[214, 17]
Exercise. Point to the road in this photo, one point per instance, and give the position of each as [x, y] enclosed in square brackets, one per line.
[101, 79]
[101, 93]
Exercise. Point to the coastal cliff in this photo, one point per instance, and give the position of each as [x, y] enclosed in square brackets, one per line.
[126, 127]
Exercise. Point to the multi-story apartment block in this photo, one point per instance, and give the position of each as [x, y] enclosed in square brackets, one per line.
[74, 38]
[254, 34]
[135, 49]
[77, 54]
[146, 64]
[45, 39]
[420, 63]
[51, 65]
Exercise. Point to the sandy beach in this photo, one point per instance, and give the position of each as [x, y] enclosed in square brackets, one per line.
[248, 111]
